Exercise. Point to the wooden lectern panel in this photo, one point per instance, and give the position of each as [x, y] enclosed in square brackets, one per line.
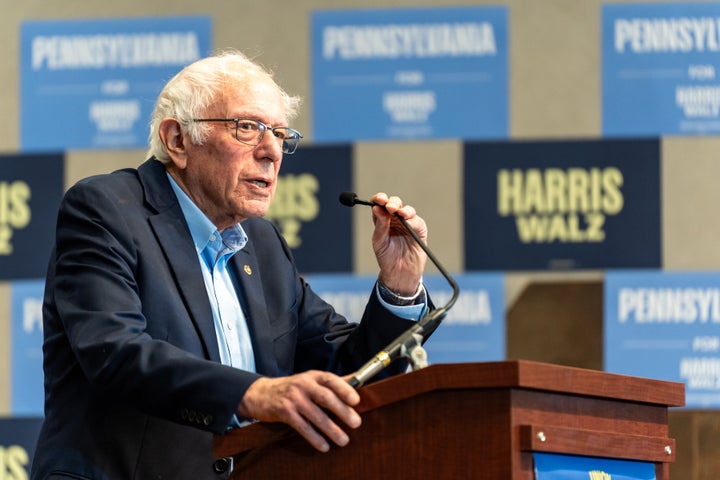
[474, 421]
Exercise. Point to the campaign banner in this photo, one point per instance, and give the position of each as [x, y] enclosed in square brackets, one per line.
[552, 466]
[18, 437]
[92, 84]
[659, 64]
[472, 331]
[666, 325]
[306, 208]
[410, 73]
[562, 205]
[31, 187]
[27, 394]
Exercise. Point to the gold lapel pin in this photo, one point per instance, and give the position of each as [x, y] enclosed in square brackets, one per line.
[247, 269]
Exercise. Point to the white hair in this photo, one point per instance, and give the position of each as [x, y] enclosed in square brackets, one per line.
[193, 90]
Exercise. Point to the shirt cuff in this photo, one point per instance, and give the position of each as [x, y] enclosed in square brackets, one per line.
[409, 308]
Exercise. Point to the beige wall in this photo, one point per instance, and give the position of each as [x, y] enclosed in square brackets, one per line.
[554, 93]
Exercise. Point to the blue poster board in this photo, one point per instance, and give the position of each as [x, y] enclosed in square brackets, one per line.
[27, 394]
[550, 466]
[562, 205]
[409, 73]
[31, 187]
[472, 331]
[659, 69]
[18, 437]
[306, 208]
[666, 325]
[92, 84]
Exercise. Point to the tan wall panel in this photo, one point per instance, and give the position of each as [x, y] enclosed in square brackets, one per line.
[691, 197]
[427, 175]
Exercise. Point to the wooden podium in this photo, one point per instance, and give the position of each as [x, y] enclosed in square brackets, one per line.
[474, 421]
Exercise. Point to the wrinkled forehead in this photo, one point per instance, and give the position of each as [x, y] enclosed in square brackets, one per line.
[253, 95]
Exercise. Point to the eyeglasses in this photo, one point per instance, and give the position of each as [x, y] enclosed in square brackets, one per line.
[251, 132]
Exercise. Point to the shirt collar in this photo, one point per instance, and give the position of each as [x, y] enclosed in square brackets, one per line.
[202, 229]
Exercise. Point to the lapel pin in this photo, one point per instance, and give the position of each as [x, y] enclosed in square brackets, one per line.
[247, 269]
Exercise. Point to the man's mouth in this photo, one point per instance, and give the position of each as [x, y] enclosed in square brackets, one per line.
[260, 183]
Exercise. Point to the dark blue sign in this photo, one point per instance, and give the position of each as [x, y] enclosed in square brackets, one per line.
[659, 69]
[562, 205]
[30, 190]
[27, 340]
[17, 446]
[410, 73]
[666, 325]
[550, 466]
[93, 83]
[472, 331]
[315, 225]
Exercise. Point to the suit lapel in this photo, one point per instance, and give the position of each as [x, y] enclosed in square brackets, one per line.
[174, 238]
[249, 282]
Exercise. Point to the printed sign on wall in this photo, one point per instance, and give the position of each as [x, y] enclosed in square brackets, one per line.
[27, 338]
[93, 83]
[562, 205]
[30, 190]
[660, 69]
[666, 326]
[401, 73]
[472, 331]
[306, 208]
[18, 437]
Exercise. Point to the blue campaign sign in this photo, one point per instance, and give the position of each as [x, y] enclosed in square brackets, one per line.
[408, 73]
[562, 204]
[27, 338]
[306, 208]
[551, 466]
[659, 66]
[31, 187]
[18, 437]
[666, 325]
[472, 331]
[90, 84]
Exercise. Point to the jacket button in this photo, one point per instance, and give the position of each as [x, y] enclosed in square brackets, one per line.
[221, 465]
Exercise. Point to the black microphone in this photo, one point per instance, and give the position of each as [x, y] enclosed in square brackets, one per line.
[406, 344]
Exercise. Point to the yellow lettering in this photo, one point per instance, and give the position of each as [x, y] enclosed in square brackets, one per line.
[578, 198]
[595, 222]
[6, 247]
[613, 200]
[556, 186]
[13, 462]
[534, 192]
[14, 209]
[295, 202]
[509, 190]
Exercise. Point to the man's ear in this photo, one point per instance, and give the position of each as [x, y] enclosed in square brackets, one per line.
[172, 137]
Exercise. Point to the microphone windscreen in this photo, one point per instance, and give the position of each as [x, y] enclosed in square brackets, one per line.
[348, 199]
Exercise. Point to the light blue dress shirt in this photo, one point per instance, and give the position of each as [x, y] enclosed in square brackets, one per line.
[214, 250]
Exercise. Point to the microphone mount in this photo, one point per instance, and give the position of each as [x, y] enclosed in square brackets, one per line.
[409, 344]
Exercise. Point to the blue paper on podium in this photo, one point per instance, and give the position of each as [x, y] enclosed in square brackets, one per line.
[550, 466]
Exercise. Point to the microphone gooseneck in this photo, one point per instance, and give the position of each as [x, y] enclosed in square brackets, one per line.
[408, 343]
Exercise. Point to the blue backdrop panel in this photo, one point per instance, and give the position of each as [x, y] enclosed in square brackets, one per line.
[17, 446]
[473, 330]
[93, 83]
[562, 205]
[306, 207]
[403, 73]
[659, 69]
[550, 466]
[30, 190]
[26, 370]
[666, 325]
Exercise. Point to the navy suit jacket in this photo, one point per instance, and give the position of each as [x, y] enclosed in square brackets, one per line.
[134, 387]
